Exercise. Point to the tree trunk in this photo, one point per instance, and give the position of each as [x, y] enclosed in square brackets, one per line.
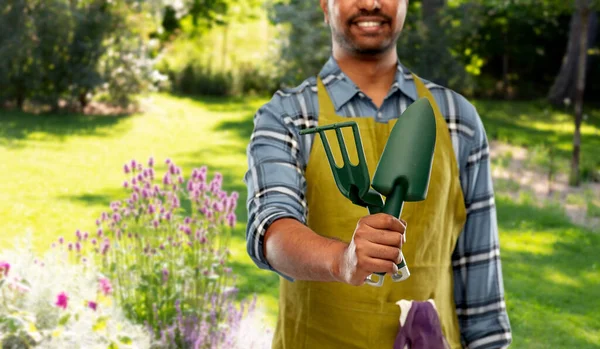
[564, 83]
[583, 11]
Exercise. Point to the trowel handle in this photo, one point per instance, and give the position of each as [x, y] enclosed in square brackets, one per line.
[393, 206]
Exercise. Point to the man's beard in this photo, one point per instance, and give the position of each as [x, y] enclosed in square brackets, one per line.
[345, 40]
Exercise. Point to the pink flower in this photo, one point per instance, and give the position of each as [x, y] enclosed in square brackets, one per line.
[105, 286]
[92, 305]
[231, 219]
[4, 268]
[62, 300]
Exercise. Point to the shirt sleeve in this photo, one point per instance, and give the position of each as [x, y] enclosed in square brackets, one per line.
[275, 177]
[479, 290]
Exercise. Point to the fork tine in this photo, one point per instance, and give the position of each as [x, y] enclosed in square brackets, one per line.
[328, 150]
[343, 148]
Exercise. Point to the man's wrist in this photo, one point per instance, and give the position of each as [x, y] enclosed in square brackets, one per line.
[338, 249]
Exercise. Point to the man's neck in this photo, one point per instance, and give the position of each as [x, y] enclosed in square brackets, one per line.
[373, 74]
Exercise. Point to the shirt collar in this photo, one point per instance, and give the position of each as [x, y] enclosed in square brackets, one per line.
[341, 89]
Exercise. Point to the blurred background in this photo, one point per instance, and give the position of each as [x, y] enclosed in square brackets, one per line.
[87, 85]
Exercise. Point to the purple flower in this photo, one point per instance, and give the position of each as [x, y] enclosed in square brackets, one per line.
[155, 224]
[62, 300]
[70, 246]
[4, 268]
[168, 216]
[116, 217]
[125, 184]
[151, 209]
[105, 286]
[166, 179]
[78, 246]
[105, 246]
[133, 181]
[151, 161]
[99, 232]
[172, 169]
[85, 235]
[78, 234]
[168, 161]
[94, 241]
[92, 305]
[165, 275]
[126, 168]
[217, 206]
[133, 164]
[61, 240]
[231, 219]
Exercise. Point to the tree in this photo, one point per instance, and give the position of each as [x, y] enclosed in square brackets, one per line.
[571, 79]
[565, 81]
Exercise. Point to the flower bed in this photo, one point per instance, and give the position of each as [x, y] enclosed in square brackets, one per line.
[154, 274]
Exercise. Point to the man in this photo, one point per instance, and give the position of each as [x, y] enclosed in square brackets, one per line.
[324, 247]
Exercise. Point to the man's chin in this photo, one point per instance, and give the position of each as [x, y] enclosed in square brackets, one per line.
[371, 50]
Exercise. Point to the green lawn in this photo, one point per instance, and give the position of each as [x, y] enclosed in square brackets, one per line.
[532, 124]
[58, 173]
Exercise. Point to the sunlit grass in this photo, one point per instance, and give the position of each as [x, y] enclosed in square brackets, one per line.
[58, 172]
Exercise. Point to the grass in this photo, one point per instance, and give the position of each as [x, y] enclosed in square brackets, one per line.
[535, 125]
[58, 173]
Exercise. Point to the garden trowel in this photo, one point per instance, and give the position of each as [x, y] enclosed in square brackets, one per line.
[402, 173]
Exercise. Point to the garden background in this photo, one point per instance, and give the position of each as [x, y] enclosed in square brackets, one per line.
[88, 85]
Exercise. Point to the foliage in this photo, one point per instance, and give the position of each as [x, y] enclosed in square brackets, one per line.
[200, 80]
[305, 42]
[166, 248]
[37, 308]
[476, 47]
[57, 50]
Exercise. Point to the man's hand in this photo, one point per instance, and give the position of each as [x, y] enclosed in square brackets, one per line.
[375, 247]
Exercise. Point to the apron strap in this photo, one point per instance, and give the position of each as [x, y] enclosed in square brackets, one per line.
[325, 104]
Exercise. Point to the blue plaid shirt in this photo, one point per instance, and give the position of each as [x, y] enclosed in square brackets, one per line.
[278, 156]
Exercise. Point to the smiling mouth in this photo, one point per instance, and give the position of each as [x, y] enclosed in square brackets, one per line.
[370, 24]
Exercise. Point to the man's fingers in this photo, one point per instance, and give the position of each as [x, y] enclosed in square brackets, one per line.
[375, 265]
[385, 222]
[385, 237]
[383, 252]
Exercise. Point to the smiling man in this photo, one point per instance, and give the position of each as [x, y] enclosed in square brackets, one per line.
[324, 247]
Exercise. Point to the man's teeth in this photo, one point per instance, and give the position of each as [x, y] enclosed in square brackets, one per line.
[369, 24]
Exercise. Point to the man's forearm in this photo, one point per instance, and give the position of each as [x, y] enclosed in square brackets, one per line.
[295, 250]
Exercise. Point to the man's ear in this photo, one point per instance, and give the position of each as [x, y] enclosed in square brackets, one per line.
[325, 10]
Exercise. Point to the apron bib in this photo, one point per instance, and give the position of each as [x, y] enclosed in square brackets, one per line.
[335, 315]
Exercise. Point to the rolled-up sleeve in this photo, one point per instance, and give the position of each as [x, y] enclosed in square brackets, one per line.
[479, 290]
[275, 177]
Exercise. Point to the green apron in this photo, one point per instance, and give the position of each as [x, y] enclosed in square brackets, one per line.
[336, 315]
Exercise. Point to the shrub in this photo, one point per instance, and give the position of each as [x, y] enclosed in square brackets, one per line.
[166, 249]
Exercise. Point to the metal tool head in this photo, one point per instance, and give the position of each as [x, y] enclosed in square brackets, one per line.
[353, 181]
[407, 158]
